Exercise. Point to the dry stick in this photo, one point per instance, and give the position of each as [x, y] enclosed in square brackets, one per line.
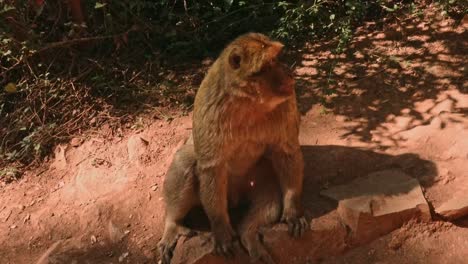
[74, 41]
[64, 43]
[135, 76]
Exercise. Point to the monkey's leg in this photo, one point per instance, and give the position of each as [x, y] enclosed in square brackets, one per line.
[180, 195]
[265, 209]
[289, 167]
[213, 196]
[173, 230]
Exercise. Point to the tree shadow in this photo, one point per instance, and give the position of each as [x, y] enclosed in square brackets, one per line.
[324, 166]
[410, 66]
[331, 165]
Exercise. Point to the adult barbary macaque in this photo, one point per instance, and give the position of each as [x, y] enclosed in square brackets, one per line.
[245, 122]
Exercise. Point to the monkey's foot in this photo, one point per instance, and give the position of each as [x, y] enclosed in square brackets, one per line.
[167, 245]
[297, 226]
[224, 245]
[225, 248]
[166, 252]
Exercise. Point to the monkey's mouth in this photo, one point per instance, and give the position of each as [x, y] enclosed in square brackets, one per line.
[285, 90]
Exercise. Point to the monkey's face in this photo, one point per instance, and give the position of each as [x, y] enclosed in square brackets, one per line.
[273, 81]
[260, 73]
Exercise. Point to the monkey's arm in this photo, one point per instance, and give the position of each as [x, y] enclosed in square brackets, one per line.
[213, 195]
[288, 163]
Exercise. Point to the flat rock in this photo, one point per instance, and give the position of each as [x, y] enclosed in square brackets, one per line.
[379, 203]
[454, 208]
[76, 142]
[136, 147]
[326, 237]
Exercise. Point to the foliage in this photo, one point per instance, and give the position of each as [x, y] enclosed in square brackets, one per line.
[457, 8]
[9, 174]
[66, 65]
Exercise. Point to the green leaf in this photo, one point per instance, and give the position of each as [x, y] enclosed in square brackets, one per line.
[6, 8]
[228, 4]
[37, 147]
[99, 5]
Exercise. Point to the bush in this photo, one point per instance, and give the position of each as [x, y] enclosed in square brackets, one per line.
[65, 63]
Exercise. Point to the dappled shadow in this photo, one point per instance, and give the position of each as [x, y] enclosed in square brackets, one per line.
[326, 166]
[462, 222]
[411, 67]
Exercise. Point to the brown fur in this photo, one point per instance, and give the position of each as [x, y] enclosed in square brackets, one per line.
[245, 113]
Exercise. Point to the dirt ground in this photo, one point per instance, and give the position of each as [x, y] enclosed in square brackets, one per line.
[400, 96]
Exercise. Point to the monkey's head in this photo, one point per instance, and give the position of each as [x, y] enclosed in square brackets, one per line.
[256, 70]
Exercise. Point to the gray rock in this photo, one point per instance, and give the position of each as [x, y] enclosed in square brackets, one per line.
[379, 203]
[454, 208]
[327, 237]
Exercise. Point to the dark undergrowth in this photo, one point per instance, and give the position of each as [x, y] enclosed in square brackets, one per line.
[67, 67]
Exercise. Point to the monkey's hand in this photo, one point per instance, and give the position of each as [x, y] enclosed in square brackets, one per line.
[297, 225]
[225, 240]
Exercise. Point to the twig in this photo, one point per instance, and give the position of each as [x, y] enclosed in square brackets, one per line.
[377, 72]
[71, 42]
[135, 76]
[60, 44]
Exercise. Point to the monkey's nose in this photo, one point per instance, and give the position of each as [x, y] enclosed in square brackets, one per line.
[285, 90]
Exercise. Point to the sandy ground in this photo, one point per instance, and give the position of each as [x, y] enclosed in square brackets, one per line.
[401, 90]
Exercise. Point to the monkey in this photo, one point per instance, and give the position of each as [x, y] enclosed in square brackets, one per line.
[245, 112]
[181, 194]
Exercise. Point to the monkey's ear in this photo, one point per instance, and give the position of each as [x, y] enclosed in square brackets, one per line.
[235, 59]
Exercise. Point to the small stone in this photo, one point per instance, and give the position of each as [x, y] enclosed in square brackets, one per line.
[13, 226]
[93, 239]
[135, 148]
[75, 142]
[340, 118]
[92, 121]
[123, 256]
[26, 218]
